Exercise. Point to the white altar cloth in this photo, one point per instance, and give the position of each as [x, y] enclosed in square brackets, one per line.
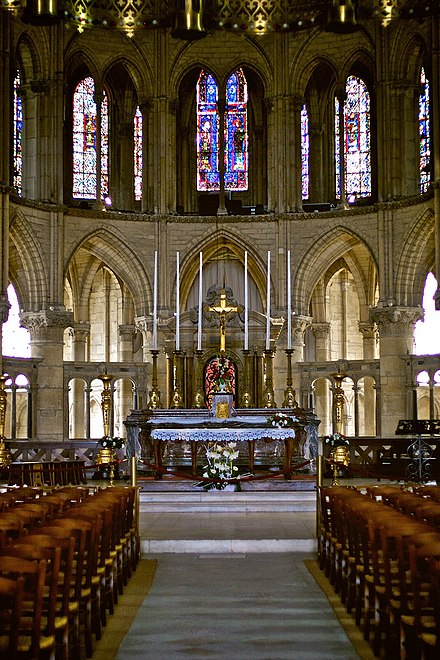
[223, 435]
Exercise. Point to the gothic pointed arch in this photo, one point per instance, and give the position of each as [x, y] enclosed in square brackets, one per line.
[27, 273]
[106, 247]
[417, 258]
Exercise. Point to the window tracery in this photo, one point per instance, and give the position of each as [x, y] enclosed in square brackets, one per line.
[424, 133]
[18, 136]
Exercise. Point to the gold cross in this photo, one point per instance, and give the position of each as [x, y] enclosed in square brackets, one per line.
[222, 309]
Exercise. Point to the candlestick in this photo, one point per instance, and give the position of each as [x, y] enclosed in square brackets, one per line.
[268, 303]
[199, 324]
[155, 303]
[177, 301]
[246, 310]
[289, 304]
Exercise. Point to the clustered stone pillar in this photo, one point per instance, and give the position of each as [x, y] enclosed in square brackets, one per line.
[396, 330]
[80, 332]
[46, 329]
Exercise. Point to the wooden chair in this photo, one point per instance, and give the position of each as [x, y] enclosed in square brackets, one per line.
[11, 612]
[32, 642]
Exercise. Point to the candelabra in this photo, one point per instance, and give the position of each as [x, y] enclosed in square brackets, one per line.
[154, 401]
[338, 400]
[289, 392]
[199, 399]
[177, 398]
[246, 399]
[269, 395]
[5, 454]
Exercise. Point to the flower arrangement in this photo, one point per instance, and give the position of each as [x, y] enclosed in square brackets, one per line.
[281, 420]
[335, 440]
[111, 443]
[221, 457]
[222, 372]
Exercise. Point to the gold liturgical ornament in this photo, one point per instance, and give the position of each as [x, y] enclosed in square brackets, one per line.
[189, 21]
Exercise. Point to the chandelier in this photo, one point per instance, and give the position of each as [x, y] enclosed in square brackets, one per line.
[192, 19]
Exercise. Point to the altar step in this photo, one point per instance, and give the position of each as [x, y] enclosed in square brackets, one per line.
[215, 501]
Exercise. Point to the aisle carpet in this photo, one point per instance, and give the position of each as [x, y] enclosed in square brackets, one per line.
[346, 620]
[239, 607]
[125, 610]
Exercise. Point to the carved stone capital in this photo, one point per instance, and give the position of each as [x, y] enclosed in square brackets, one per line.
[80, 330]
[395, 321]
[321, 330]
[126, 331]
[143, 324]
[40, 86]
[173, 106]
[299, 326]
[146, 105]
[367, 329]
[54, 317]
[5, 306]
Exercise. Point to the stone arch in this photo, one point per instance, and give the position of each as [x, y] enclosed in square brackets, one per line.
[336, 244]
[417, 258]
[106, 247]
[27, 57]
[27, 275]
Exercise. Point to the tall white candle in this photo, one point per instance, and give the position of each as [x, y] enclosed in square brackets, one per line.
[155, 303]
[268, 303]
[289, 304]
[177, 301]
[246, 303]
[199, 318]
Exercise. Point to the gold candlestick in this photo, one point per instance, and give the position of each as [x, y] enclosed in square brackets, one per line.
[269, 394]
[154, 401]
[177, 398]
[246, 399]
[289, 392]
[5, 454]
[338, 400]
[106, 402]
[199, 398]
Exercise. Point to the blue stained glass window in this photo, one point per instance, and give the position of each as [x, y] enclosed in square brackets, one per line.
[208, 177]
[236, 150]
[424, 133]
[137, 149]
[235, 133]
[357, 134]
[84, 141]
[305, 152]
[337, 150]
[18, 136]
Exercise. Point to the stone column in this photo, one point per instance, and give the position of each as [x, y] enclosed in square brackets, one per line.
[316, 163]
[435, 144]
[46, 330]
[5, 91]
[396, 330]
[323, 400]
[123, 195]
[370, 341]
[299, 326]
[341, 96]
[145, 106]
[221, 155]
[4, 261]
[80, 332]
[124, 399]
[98, 98]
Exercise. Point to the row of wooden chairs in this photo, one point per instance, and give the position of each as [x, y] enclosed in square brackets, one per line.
[384, 564]
[85, 549]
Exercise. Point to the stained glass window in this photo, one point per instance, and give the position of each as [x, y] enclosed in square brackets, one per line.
[137, 149]
[305, 152]
[357, 151]
[236, 150]
[84, 141]
[235, 135]
[208, 177]
[424, 133]
[18, 136]
[337, 150]
[104, 146]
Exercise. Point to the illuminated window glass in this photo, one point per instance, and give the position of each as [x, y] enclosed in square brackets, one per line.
[18, 136]
[84, 141]
[357, 132]
[305, 152]
[137, 149]
[424, 133]
[235, 133]
[337, 151]
[104, 146]
[236, 149]
[208, 177]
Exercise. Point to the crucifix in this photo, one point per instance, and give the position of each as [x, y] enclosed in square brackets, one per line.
[223, 309]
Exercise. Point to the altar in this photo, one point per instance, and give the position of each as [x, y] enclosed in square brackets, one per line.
[152, 433]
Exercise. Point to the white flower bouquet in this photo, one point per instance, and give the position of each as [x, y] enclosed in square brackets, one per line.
[280, 420]
[221, 457]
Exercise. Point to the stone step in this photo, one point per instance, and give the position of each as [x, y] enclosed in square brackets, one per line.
[221, 501]
[226, 546]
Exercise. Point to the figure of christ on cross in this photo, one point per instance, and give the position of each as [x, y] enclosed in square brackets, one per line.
[223, 309]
